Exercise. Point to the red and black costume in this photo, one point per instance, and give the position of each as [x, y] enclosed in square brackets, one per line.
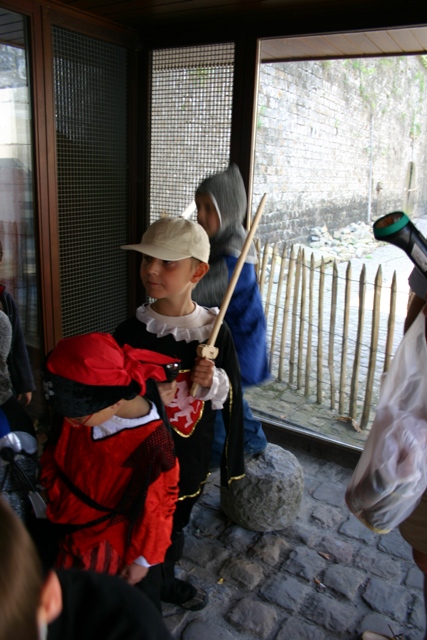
[112, 488]
[122, 477]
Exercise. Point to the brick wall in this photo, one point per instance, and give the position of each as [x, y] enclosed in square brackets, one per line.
[327, 130]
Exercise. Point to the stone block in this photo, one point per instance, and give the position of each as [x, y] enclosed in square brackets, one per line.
[270, 549]
[378, 624]
[253, 617]
[299, 629]
[389, 599]
[332, 615]
[305, 563]
[247, 574]
[344, 580]
[201, 630]
[379, 564]
[269, 496]
[288, 592]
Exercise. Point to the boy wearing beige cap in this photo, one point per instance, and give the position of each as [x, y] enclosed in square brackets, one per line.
[175, 254]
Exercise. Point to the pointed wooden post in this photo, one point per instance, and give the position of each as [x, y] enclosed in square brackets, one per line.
[271, 280]
[331, 364]
[294, 317]
[289, 284]
[390, 324]
[373, 348]
[277, 305]
[310, 328]
[302, 321]
[354, 385]
[344, 343]
[320, 334]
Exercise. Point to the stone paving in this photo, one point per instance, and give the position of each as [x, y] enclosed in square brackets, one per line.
[280, 403]
[325, 576]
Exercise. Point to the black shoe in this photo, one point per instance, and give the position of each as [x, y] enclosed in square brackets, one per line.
[185, 595]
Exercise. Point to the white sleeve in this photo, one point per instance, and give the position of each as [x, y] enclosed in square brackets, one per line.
[217, 393]
[142, 562]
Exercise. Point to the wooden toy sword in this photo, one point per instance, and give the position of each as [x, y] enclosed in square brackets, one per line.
[209, 350]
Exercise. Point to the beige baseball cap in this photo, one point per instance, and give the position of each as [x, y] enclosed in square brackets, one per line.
[174, 239]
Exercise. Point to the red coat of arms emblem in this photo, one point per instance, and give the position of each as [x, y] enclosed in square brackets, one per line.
[184, 412]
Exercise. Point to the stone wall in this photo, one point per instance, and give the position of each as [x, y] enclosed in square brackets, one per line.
[328, 132]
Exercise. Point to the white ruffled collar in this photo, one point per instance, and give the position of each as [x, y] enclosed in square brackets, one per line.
[195, 326]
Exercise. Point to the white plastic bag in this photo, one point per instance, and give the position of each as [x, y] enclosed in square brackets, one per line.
[391, 474]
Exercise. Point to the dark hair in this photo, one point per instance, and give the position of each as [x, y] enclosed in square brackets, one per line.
[21, 578]
[1, 251]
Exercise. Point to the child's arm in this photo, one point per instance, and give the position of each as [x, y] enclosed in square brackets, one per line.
[18, 360]
[134, 573]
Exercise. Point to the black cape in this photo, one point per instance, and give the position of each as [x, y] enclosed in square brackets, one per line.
[194, 452]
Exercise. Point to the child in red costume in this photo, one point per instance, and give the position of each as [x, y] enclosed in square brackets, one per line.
[112, 476]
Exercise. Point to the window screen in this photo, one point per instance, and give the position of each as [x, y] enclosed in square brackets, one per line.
[90, 79]
[191, 105]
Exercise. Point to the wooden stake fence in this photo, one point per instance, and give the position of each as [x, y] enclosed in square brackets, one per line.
[350, 354]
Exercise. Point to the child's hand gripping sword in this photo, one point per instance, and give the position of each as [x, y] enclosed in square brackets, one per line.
[209, 350]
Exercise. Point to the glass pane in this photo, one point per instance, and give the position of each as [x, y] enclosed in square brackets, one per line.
[18, 265]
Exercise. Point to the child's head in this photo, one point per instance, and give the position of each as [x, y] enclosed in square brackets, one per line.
[90, 376]
[27, 600]
[175, 257]
[221, 201]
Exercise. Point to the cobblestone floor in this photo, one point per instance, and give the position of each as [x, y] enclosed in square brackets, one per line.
[324, 577]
